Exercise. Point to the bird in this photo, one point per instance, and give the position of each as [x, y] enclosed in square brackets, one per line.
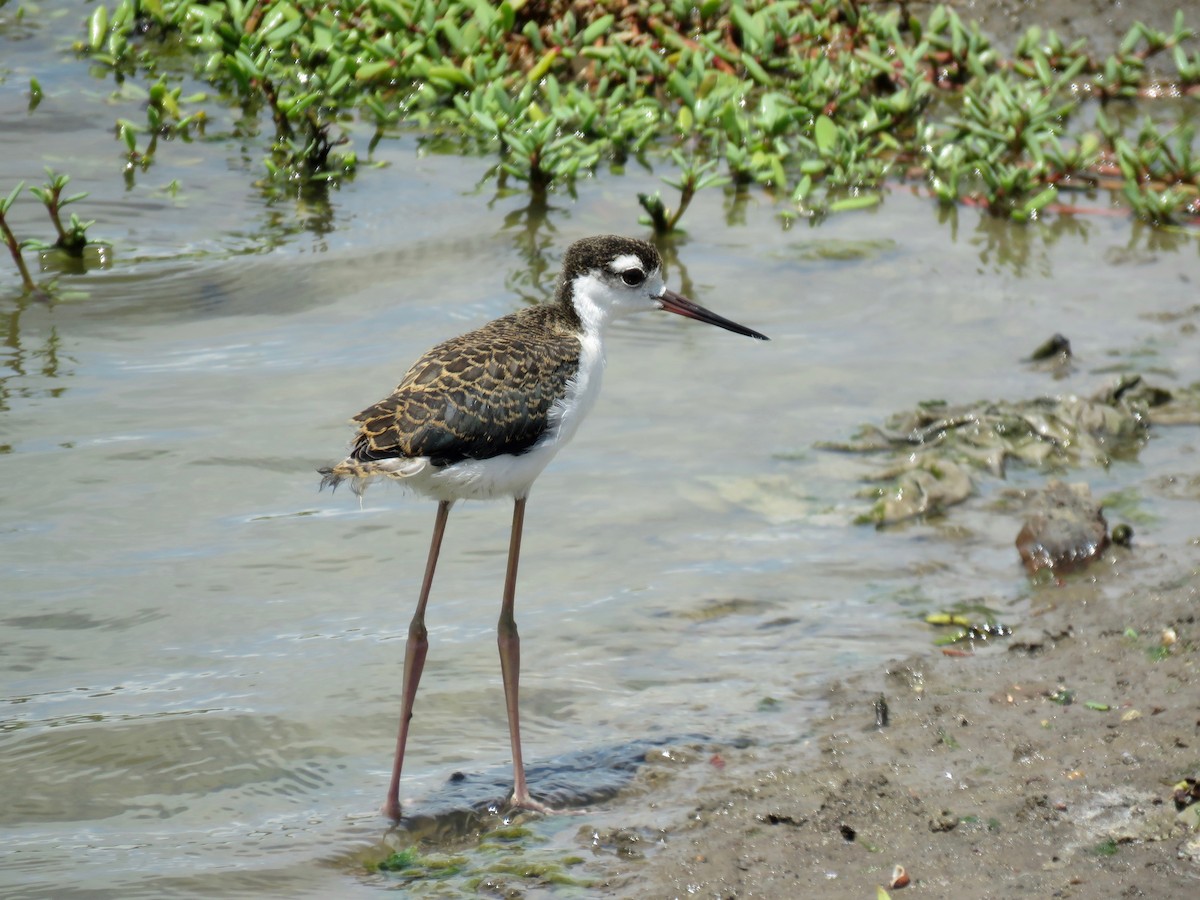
[479, 416]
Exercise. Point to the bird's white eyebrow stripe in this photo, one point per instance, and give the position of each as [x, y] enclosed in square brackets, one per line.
[626, 261]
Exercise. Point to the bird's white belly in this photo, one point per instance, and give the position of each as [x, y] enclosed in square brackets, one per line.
[486, 479]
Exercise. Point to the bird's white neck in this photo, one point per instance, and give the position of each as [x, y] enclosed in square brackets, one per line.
[597, 303]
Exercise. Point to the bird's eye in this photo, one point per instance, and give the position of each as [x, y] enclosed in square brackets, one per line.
[633, 277]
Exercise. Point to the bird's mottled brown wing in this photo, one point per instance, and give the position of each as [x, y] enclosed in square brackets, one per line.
[480, 395]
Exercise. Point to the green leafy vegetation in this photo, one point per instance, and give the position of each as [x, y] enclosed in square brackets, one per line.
[10, 239]
[71, 241]
[819, 104]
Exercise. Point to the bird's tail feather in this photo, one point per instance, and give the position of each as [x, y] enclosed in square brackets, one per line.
[361, 473]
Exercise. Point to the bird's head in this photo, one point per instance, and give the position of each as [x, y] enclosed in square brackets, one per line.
[610, 276]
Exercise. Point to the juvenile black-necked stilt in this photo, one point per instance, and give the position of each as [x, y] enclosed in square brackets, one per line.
[479, 416]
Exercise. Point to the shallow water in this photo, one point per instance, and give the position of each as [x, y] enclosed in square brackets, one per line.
[201, 654]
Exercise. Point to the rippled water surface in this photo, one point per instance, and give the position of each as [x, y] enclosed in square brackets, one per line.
[201, 653]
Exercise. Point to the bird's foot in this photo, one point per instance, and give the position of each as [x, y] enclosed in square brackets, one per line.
[525, 801]
[391, 809]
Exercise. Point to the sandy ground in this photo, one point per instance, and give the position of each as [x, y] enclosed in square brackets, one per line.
[985, 783]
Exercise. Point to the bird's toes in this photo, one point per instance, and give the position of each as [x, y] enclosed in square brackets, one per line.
[528, 803]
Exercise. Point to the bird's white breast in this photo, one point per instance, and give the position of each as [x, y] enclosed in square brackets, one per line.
[581, 393]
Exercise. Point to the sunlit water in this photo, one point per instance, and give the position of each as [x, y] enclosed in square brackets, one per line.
[201, 654]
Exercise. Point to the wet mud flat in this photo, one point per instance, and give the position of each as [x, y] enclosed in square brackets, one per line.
[1044, 767]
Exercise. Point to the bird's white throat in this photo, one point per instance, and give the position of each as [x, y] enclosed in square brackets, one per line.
[598, 301]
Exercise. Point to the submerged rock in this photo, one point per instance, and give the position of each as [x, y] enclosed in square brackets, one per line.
[1053, 347]
[1054, 356]
[1064, 529]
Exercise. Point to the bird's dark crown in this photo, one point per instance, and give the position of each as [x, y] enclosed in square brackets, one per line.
[598, 252]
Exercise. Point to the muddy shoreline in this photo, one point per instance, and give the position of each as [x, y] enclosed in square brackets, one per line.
[997, 775]
[1040, 766]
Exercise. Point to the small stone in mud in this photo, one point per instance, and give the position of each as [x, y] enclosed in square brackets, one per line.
[908, 675]
[1053, 356]
[946, 821]
[1186, 793]
[1191, 849]
[784, 819]
[1025, 752]
[621, 842]
[1053, 346]
[1064, 529]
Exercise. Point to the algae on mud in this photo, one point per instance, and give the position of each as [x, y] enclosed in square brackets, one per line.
[938, 445]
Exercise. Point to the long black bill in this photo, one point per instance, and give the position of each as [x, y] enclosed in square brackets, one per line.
[682, 306]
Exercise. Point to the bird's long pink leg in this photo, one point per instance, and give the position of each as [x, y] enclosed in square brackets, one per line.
[415, 649]
[510, 663]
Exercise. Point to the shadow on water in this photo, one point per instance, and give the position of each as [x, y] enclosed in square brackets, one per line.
[470, 802]
[467, 840]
